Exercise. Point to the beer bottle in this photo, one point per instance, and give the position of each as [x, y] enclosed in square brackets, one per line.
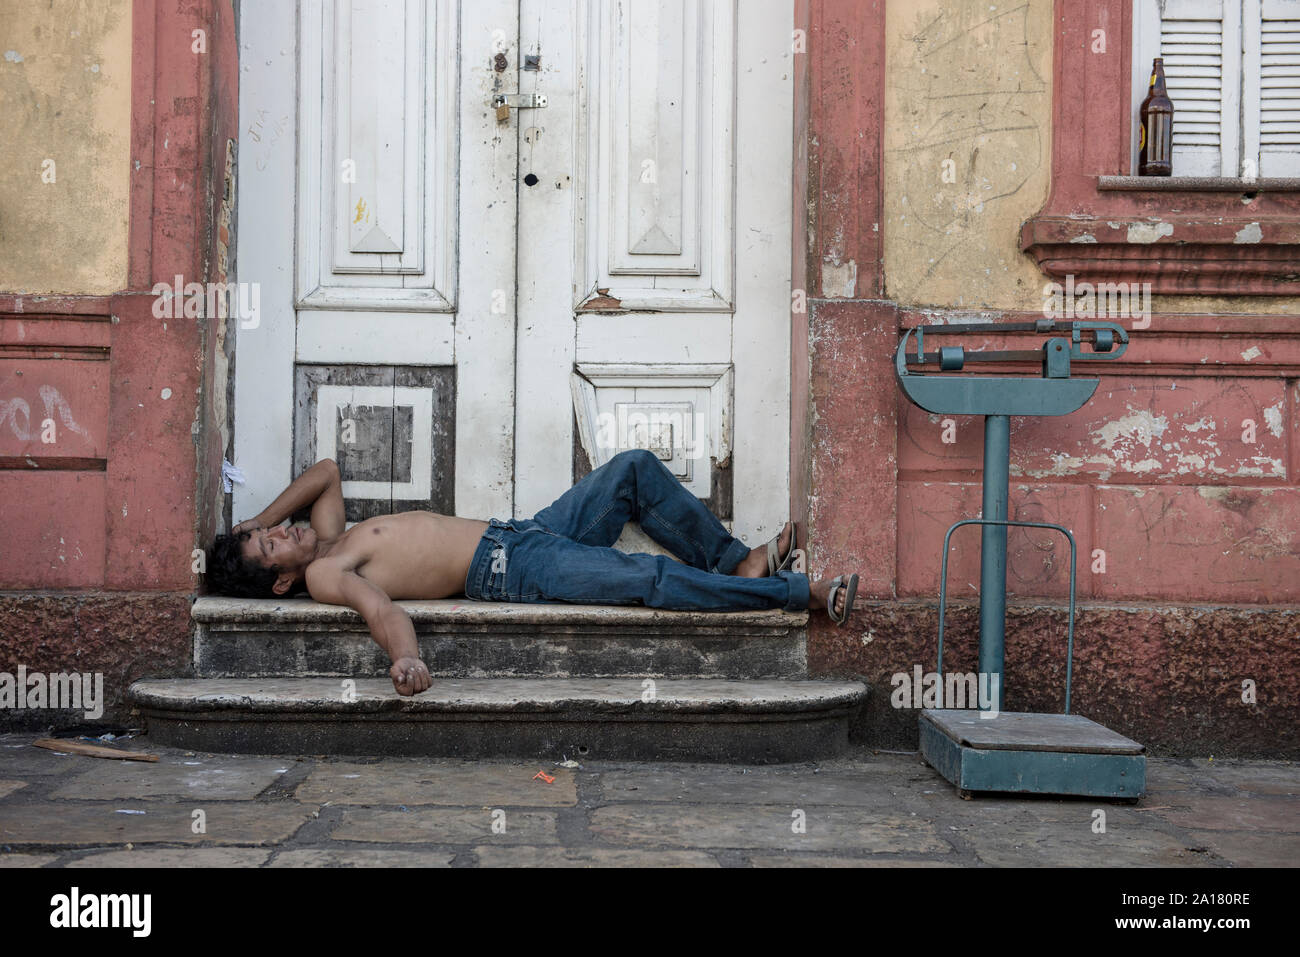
[1156, 134]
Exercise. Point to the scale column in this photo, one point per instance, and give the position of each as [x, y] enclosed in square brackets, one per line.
[993, 550]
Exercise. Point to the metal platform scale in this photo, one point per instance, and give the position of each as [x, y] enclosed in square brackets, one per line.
[991, 750]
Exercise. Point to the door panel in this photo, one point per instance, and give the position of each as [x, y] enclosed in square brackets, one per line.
[654, 247]
[377, 155]
[386, 333]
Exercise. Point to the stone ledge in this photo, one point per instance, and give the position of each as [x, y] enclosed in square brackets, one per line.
[212, 610]
[463, 639]
[1203, 184]
[751, 722]
[494, 695]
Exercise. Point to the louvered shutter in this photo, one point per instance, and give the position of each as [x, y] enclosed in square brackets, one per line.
[1200, 41]
[1278, 97]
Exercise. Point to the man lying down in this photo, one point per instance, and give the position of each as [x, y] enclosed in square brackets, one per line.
[562, 554]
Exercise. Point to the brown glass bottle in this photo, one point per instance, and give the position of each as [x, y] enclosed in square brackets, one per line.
[1156, 136]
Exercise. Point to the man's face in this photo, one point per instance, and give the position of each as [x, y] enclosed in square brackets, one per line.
[289, 548]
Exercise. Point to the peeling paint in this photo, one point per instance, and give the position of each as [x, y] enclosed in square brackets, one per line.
[1084, 238]
[840, 280]
[1250, 233]
[1251, 353]
[1141, 426]
[1273, 419]
[1146, 233]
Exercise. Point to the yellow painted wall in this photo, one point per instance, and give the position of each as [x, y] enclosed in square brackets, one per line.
[65, 94]
[971, 81]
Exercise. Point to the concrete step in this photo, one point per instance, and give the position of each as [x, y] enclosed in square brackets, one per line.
[665, 719]
[465, 639]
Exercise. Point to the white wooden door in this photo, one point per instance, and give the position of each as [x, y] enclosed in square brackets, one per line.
[377, 216]
[445, 293]
[654, 246]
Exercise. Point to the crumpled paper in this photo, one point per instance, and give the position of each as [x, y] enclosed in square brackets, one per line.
[230, 473]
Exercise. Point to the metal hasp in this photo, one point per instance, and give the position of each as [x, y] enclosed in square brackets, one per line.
[990, 749]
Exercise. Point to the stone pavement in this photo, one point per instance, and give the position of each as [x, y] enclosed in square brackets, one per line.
[866, 809]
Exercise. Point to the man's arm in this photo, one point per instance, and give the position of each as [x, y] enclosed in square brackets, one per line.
[321, 487]
[329, 581]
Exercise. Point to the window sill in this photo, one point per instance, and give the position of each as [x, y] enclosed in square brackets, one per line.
[1175, 254]
[1199, 184]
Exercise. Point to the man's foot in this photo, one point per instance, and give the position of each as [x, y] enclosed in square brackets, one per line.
[818, 592]
[754, 565]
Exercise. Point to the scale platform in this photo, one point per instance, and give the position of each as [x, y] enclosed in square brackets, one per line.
[1030, 753]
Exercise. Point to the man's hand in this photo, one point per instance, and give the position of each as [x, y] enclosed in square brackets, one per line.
[410, 676]
[321, 488]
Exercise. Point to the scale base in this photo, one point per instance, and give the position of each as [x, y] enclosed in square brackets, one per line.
[1029, 753]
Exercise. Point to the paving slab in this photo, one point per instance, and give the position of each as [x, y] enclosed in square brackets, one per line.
[572, 857]
[761, 826]
[197, 778]
[862, 809]
[1051, 845]
[461, 783]
[1251, 848]
[446, 826]
[988, 811]
[714, 784]
[176, 857]
[22, 760]
[361, 857]
[809, 860]
[72, 824]
[1239, 813]
[1255, 777]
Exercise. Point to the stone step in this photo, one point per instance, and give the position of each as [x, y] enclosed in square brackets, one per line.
[582, 719]
[458, 638]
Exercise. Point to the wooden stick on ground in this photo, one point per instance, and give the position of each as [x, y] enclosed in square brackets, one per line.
[92, 750]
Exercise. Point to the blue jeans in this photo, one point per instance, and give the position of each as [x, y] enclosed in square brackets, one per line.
[563, 553]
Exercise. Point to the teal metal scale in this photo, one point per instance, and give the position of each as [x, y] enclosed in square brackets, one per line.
[991, 750]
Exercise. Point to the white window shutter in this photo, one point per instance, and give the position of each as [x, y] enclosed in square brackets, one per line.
[1200, 41]
[1273, 90]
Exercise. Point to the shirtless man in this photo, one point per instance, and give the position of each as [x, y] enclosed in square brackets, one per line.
[562, 555]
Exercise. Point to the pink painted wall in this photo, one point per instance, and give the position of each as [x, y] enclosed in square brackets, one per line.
[100, 526]
[1182, 469]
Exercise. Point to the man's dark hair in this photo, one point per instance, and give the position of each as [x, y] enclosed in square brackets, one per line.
[230, 573]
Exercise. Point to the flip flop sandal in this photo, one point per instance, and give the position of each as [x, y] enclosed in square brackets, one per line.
[775, 561]
[836, 585]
